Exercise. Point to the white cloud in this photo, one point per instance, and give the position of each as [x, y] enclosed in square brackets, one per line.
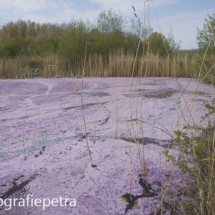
[184, 26]
[64, 10]
[25, 6]
[34, 5]
[38, 10]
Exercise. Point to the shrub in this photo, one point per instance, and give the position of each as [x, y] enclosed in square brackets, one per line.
[199, 151]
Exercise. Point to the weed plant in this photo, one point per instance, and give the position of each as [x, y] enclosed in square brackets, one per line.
[199, 151]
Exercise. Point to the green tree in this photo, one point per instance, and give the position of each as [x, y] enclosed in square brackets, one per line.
[32, 29]
[103, 43]
[159, 44]
[27, 44]
[29, 38]
[72, 43]
[8, 48]
[109, 21]
[206, 45]
[22, 28]
[108, 34]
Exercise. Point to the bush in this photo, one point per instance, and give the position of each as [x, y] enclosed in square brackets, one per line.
[200, 152]
[206, 44]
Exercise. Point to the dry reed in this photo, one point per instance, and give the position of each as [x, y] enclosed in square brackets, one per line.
[117, 65]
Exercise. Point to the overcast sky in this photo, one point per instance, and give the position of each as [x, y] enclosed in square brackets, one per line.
[184, 16]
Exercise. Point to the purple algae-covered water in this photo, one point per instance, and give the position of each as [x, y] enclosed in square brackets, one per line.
[42, 120]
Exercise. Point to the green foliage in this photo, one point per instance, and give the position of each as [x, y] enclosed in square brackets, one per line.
[28, 41]
[186, 205]
[12, 46]
[29, 38]
[156, 44]
[106, 37]
[8, 48]
[72, 43]
[206, 42]
[109, 34]
[45, 44]
[159, 44]
[104, 43]
[110, 21]
[198, 151]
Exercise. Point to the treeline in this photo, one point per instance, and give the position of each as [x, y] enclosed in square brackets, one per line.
[111, 43]
[29, 38]
[108, 33]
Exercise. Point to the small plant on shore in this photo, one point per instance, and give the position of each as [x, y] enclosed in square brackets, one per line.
[197, 161]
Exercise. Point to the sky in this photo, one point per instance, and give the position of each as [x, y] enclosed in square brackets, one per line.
[183, 16]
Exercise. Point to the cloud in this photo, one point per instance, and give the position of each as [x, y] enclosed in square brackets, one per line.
[34, 5]
[67, 9]
[42, 10]
[184, 26]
